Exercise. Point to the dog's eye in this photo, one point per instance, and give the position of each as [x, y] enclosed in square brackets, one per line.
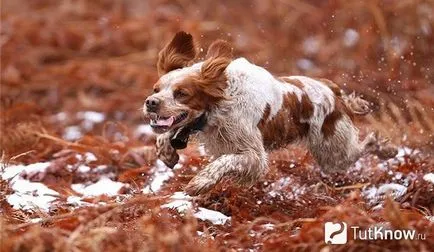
[156, 90]
[179, 94]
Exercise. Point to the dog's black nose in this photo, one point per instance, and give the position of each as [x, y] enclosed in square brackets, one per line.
[152, 104]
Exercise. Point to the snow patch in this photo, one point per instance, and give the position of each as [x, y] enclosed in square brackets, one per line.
[180, 205]
[214, 217]
[359, 164]
[161, 173]
[311, 45]
[286, 188]
[104, 186]
[77, 201]
[429, 177]
[377, 195]
[143, 130]
[399, 158]
[397, 189]
[28, 195]
[72, 133]
[404, 151]
[305, 64]
[268, 226]
[61, 116]
[89, 157]
[181, 202]
[90, 118]
[181, 196]
[12, 171]
[179, 165]
[83, 169]
[36, 220]
[100, 168]
[202, 150]
[351, 37]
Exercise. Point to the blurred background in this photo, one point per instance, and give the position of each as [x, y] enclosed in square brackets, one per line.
[75, 73]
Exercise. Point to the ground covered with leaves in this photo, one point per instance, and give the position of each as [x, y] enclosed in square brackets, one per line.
[78, 168]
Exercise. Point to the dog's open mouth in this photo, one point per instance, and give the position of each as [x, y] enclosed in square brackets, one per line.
[167, 122]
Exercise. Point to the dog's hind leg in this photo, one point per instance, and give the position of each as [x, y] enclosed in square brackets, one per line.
[337, 151]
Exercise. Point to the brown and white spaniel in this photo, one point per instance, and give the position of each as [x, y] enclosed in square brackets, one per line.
[238, 111]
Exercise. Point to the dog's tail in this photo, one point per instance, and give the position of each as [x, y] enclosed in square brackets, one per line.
[355, 104]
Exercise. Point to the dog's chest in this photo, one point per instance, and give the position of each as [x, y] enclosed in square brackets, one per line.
[217, 143]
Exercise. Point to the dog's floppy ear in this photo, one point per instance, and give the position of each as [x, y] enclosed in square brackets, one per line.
[213, 68]
[177, 54]
[212, 78]
[218, 57]
[219, 48]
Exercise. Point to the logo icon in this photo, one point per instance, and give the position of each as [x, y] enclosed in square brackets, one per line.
[335, 233]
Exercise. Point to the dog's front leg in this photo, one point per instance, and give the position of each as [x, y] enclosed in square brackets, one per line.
[247, 167]
[165, 151]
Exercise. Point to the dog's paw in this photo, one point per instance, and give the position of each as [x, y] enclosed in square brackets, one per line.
[165, 151]
[380, 146]
[169, 157]
[386, 152]
[371, 142]
[170, 160]
[199, 185]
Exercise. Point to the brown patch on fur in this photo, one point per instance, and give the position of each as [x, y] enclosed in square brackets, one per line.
[293, 82]
[333, 86]
[329, 126]
[286, 126]
[306, 107]
[219, 48]
[204, 90]
[177, 54]
[266, 114]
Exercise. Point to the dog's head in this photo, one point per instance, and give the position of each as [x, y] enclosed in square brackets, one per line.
[186, 91]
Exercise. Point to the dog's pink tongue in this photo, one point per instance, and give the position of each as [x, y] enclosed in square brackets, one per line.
[166, 122]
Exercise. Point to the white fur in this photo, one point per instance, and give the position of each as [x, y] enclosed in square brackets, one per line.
[177, 75]
[255, 86]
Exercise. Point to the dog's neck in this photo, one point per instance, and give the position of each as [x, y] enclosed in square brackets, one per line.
[198, 124]
[179, 139]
